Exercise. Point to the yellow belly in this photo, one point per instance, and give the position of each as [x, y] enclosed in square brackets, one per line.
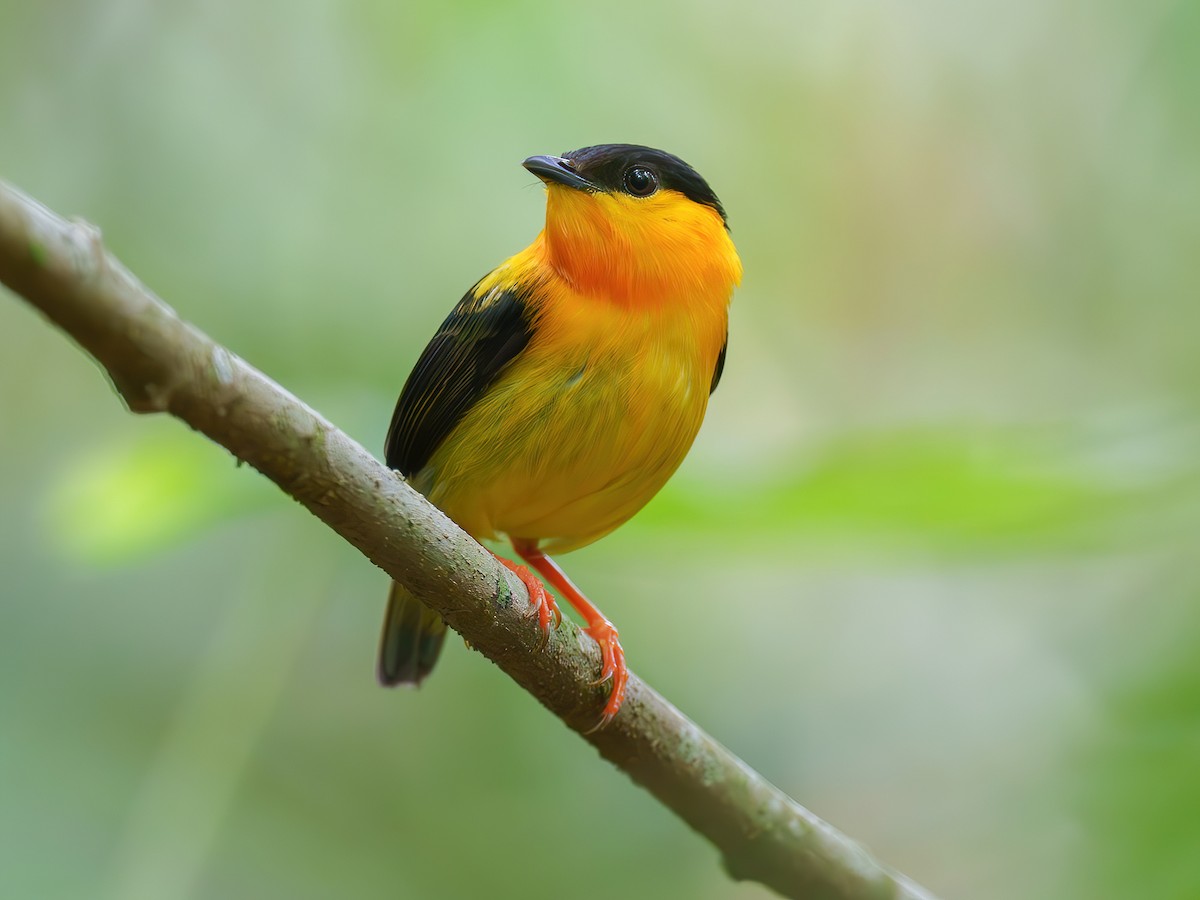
[582, 430]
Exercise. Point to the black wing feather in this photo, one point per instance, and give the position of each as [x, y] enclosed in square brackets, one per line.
[481, 336]
[720, 366]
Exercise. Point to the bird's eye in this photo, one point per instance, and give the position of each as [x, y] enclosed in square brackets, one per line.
[640, 181]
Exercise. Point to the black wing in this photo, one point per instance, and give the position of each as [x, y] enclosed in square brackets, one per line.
[481, 336]
[720, 366]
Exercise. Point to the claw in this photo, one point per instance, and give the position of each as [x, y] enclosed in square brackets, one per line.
[540, 599]
[612, 665]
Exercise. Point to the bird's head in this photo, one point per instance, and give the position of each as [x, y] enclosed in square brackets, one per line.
[635, 224]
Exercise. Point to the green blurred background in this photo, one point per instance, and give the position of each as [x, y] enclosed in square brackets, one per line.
[932, 566]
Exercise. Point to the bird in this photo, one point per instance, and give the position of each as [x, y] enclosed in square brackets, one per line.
[568, 384]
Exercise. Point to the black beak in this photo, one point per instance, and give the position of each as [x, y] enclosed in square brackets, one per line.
[556, 170]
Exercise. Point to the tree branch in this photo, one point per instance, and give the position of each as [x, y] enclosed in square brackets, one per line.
[159, 363]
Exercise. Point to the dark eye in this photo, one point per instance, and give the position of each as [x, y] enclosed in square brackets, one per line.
[640, 181]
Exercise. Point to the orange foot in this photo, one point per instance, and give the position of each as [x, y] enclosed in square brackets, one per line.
[543, 604]
[612, 665]
[599, 629]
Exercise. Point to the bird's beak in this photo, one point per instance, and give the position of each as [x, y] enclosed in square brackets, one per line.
[556, 170]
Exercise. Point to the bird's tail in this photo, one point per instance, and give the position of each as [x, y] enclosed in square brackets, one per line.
[412, 639]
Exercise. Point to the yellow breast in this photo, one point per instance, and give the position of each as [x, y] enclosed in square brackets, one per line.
[587, 423]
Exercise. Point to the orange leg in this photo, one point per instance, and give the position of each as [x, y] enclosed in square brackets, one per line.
[602, 631]
[542, 602]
